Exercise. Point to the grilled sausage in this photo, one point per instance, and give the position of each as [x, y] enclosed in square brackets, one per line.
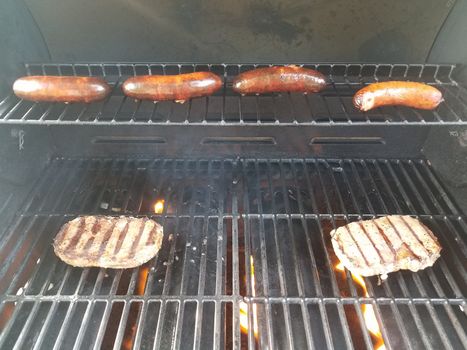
[279, 79]
[179, 87]
[397, 93]
[61, 89]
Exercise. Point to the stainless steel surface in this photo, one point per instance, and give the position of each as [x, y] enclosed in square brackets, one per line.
[239, 233]
[331, 106]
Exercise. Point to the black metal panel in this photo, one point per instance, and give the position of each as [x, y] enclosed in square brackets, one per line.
[249, 140]
[248, 31]
[246, 258]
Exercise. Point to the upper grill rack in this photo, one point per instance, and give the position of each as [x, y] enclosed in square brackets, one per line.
[331, 106]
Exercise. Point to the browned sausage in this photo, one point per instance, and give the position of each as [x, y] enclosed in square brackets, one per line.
[397, 93]
[179, 87]
[61, 89]
[279, 79]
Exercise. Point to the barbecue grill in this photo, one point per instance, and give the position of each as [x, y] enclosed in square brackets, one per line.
[247, 189]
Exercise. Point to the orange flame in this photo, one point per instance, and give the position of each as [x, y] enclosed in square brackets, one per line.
[244, 306]
[128, 339]
[159, 207]
[368, 312]
[142, 279]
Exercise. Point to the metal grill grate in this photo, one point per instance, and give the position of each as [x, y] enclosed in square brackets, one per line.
[334, 105]
[246, 259]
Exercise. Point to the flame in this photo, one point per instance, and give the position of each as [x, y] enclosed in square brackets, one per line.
[128, 340]
[244, 317]
[142, 278]
[244, 306]
[368, 312]
[159, 206]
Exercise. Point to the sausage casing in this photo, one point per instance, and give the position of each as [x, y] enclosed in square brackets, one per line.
[179, 87]
[61, 88]
[279, 79]
[398, 93]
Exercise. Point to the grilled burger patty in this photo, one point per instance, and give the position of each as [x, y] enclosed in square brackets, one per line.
[383, 245]
[107, 241]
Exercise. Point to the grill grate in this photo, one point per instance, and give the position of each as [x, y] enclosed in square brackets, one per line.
[334, 105]
[240, 235]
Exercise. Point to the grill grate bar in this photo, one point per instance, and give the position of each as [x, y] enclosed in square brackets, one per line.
[64, 326]
[415, 314]
[398, 316]
[446, 271]
[121, 326]
[400, 187]
[46, 325]
[336, 216]
[26, 327]
[332, 106]
[329, 263]
[418, 194]
[140, 326]
[460, 331]
[430, 178]
[9, 325]
[102, 326]
[438, 327]
[296, 264]
[198, 325]
[345, 300]
[178, 326]
[280, 257]
[13, 285]
[83, 326]
[160, 325]
[169, 262]
[365, 331]
[387, 187]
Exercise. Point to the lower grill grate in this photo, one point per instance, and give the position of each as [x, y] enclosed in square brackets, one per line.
[246, 259]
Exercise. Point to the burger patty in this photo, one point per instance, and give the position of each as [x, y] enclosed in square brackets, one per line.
[383, 245]
[107, 241]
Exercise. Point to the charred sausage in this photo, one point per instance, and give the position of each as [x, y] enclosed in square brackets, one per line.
[179, 87]
[279, 79]
[61, 89]
[398, 93]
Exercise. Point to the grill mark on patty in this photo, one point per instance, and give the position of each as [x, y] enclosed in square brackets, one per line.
[91, 234]
[362, 227]
[358, 246]
[151, 239]
[386, 240]
[414, 234]
[106, 239]
[409, 248]
[338, 241]
[73, 240]
[63, 232]
[95, 228]
[132, 250]
[121, 238]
